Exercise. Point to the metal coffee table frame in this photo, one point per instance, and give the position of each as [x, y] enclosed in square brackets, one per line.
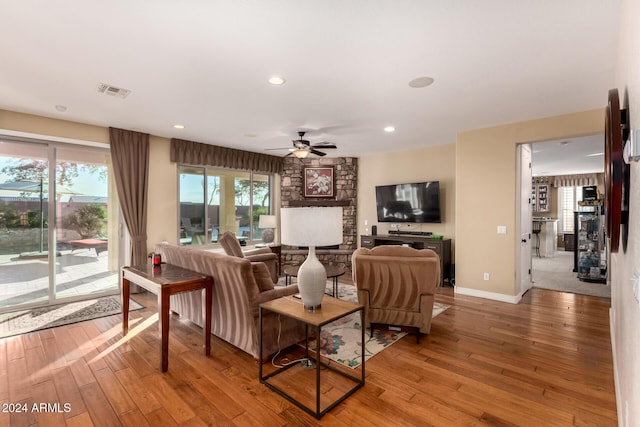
[332, 309]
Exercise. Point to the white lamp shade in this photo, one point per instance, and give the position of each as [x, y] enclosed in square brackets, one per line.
[311, 226]
[267, 221]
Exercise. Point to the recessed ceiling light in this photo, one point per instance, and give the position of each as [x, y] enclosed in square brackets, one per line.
[178, 126]
[276, 80]
[389, 129]
[250, 135]
[61, 108]
[419, 82]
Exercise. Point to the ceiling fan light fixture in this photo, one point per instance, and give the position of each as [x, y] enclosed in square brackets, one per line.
[301, 153]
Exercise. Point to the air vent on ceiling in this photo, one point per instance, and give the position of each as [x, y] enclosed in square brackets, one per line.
[113, 91]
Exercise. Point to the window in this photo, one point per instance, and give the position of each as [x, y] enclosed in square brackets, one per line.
[213, 201]
[568, 198]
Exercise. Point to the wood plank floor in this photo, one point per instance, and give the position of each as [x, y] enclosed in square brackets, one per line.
[544, 362]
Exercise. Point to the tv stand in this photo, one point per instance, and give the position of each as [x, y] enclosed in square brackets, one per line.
[440, 246]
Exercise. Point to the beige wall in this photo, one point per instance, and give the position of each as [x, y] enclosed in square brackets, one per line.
[45, 127]
[486, 198]
[162, 218]
[625, 310]
[425, 164]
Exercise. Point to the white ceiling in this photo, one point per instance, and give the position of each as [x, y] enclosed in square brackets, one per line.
[568, 156]
[347, 65]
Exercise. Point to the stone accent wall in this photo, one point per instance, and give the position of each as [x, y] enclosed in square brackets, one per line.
[345, 174]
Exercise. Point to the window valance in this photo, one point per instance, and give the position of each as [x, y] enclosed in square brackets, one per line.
[195, 153]
[578, 180]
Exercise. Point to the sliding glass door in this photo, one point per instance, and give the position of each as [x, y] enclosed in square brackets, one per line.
[86, 224]
[59, 222]
[24, 242]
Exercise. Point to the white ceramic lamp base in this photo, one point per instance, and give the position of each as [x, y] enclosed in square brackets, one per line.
[312, 281]
[267, 235]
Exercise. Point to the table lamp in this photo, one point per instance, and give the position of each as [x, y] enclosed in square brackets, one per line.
[311, 227]
[267, 223]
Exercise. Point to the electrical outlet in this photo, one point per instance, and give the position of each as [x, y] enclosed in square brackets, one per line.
[486, 276]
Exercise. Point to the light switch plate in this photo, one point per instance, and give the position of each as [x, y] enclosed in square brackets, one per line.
[502, 229]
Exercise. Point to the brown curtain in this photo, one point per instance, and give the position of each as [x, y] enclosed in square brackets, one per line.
[195, 153]
[130, 153]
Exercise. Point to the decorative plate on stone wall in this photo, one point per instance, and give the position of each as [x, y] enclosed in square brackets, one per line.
[318, 182]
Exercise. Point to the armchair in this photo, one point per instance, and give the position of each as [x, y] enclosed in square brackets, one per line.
[396, 285]
[232, 247]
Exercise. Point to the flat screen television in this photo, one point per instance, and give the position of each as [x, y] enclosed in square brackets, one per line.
[415, 202]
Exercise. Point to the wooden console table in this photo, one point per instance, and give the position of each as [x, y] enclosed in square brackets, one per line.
[442, 247]
[164, 281]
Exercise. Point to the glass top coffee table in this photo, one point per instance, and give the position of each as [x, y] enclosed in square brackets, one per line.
[333, 272]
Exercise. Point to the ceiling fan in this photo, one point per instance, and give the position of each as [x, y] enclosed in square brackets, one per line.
[302, 147]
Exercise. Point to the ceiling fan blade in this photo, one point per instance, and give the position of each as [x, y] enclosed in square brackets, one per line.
[324, 145]
[318, 153]
[273, 149]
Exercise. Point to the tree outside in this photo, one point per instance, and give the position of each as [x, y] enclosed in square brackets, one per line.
[88, 221]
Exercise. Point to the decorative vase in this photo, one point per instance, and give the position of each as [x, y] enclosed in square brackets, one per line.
[312, 281]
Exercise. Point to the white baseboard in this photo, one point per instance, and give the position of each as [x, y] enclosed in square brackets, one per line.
[619, 406]
[512, 299]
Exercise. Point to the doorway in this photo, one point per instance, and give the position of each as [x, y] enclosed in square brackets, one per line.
[59, 221]
[523, 220]
[560, 167]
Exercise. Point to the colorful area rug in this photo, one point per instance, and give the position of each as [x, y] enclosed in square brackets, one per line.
[24, 321]
[341, 340]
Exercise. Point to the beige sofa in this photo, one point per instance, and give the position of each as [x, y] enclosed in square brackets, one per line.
[396, 285]
[238, 289]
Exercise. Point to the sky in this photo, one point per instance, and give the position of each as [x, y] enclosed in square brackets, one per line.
[85, 184]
